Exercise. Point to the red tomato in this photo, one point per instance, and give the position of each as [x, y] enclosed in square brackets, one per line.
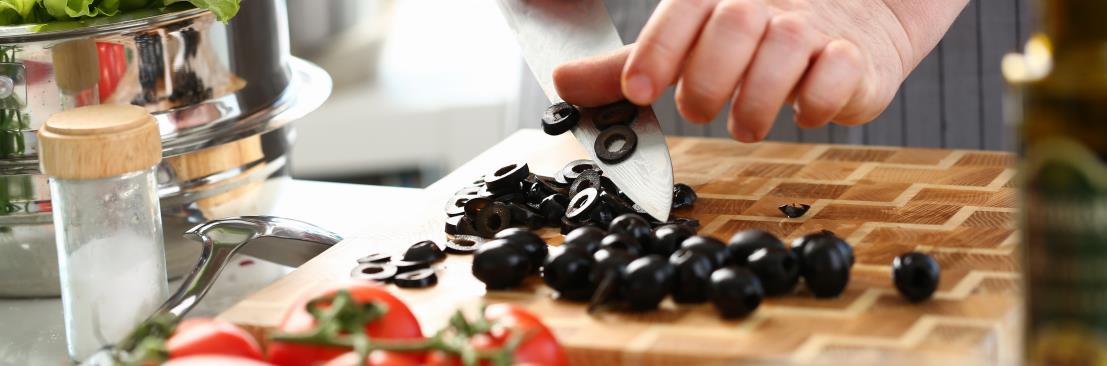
[214, 361]
[376, 358]
[195, 337]
[397, 323]
[539, 348]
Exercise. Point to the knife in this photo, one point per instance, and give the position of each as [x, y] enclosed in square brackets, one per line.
[552, 32]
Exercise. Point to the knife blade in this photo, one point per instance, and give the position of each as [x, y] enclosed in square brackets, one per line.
[552, 32]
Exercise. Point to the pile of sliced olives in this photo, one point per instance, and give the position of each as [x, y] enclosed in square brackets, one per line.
[616, 140]
[413, 269]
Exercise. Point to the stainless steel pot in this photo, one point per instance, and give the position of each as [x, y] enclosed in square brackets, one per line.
[221, 93]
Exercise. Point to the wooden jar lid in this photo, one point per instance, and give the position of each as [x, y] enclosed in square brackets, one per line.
[99, 141]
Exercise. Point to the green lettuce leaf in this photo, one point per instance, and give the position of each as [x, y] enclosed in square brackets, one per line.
[224, 10]
[73, 9]
[15, 11]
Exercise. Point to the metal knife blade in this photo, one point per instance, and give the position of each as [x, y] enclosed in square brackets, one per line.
[551, 32]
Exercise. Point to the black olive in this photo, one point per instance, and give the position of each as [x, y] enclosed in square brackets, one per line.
[475, 205]
[690, 223]
[493, 219]
[552, 208]
[616, 144]
[500, 265]
[711, 247]
[464, 244]
[823, 238]
[825, 270]
[456, 205]
[618, 113]
[646, 281]
[744, 243]
[916, 276]
[524, 215]
[623, 242]
[465, 227]
[381, 272]
[692, 284]
[560, 118]
[608, 262]
[537, 191]
[573, 170]
[569, 273]
[735, 291]
[404, 266]
[582, 204]
[683, 196]
[424, 251]
[586, 238]
[637, 227]
[602, 215]
[513, 197]
[616, 204]
[528, 242]
[777, 268]
[793, 210]
[667, 239]
[416, 279]
[451, 224]
[587, 179]
[375, 258]
[507, 179]
[568, 225]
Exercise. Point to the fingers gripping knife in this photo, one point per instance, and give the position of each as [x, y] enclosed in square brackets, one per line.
[285, 241]
[551, 32]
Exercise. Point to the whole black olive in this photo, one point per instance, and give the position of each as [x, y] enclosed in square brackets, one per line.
[552, 208]
[569, 273]
[646, 281]
[425, 250]
[618, 113]
[823, 238]
[574, 169]
[602, 215]
[735, 291]
[560, 118]
[683, 196]
[744, 243]
[587, 238]
[667, 239]
[500, 265]
[825, 270]
[616, 144]
[777, 268]
[493, 219]
[916, 276]
[692, 283]
[528, 242]
[711, 247]
[507, 179]
[635, 226]
[582, 204]
[794, 210]
[608, 262]
[623, 242]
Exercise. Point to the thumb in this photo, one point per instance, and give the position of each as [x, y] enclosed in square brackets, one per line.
[592, 81]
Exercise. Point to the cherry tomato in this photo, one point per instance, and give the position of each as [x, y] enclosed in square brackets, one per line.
[396, 323]
[539, 348]
[215, 361]
[376, 358]
[195, 337]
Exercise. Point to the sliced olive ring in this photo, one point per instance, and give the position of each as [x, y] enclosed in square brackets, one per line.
[381, 272]
[456, 205]
[375, 258]
[474, 206]
[573, 170]
[794, 210]
[416, 279]
[403, 266]
[465, 227]
[508, 178]
[452, 223]
[586, 179]
[615, 144]
[582, 204]
[464, 244]
[493, 219]
[614, 114]
[560, 118]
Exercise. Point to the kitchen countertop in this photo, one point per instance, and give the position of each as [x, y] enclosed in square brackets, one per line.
[32, 330]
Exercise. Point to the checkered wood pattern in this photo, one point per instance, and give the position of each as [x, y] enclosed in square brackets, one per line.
[957, 205]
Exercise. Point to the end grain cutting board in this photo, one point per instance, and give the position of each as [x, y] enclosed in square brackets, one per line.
[956, 205]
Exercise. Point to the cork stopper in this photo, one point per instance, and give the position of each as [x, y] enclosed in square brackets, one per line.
[98, 142]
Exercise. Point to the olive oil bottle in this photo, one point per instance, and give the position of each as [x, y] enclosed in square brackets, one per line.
[1063, 183]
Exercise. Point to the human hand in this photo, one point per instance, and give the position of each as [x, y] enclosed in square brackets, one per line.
[838, 61]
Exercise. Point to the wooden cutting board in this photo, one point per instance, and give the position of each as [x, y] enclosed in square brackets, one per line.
[957, 205]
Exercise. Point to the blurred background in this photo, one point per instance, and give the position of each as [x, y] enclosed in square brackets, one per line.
[423, 86]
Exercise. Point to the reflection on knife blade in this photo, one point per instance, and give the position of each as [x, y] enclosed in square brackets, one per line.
[551, 32]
